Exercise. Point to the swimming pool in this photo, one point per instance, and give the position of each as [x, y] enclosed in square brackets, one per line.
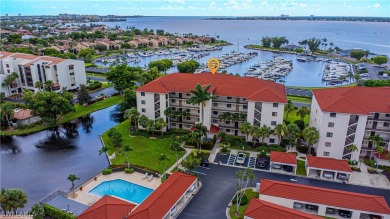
[122, 189]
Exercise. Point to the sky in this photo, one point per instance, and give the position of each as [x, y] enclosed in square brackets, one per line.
[371, 8]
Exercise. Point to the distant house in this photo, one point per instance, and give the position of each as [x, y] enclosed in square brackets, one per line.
[382, 159]
[25, 117]
[291, 47]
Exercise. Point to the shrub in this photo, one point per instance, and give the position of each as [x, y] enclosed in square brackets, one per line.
[371, 170]
[57, 213]
[277, 148]
[244, 200]
[203, 153]
[263, 154]
[127, 170]
[368, 162]
[179, 131]
[352, 162]
[94, 85]
[355, 168]
[263, 148]
[302, 149]
[106, 171]
[224, 149]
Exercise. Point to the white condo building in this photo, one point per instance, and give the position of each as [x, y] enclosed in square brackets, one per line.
[64, 73]
[346, 116]
[262, 102]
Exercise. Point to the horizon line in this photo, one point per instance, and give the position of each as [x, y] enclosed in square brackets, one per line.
[288, 16]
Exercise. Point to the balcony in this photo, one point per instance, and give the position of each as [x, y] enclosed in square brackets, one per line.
[353, 120]
[55, 86]
[352, 130]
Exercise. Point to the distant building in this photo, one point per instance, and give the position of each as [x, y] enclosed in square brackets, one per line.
[64, 73]
[284, 15]
[25, 117]
[291, 47]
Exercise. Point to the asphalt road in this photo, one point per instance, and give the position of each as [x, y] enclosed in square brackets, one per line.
[373, 71]
[298, 92]
[97, 78]
[219, 187]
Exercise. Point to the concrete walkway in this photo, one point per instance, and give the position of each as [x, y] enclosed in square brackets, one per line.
[188, 152]
[216, 149]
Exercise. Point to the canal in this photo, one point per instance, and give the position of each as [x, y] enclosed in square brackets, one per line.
[40, 163]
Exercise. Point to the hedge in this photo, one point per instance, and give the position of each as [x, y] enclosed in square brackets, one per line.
[94, 85]
[106, 171]
[244, 200]
[57, 213]
[127, 170]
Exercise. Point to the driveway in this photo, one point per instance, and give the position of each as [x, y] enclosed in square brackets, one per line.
[219, 187]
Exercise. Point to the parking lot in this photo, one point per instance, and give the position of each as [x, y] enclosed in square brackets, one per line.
[373, 70]
[250, 161]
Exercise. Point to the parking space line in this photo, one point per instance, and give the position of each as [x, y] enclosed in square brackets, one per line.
[204, 167]
[199, 172]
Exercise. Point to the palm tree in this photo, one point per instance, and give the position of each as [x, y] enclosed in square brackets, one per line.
[162, 158]
[168, 113]
[48, 85]
[350, 76]
[280, 131]
[161, 124]
[342, 79]
[311, 135]
[292, 132]
[353, 148]
[104, 149]
[72, 178]
[265, 132]
[7, 112]
[143, 121]
[255, 132]
[151, 126]
[38, 85]
[126, 150]
[357, 77]
[132, 114]
[9, 81]
[224, 117]
[377, 140]
[246, 129]
[199, 96]
[303, 111]
[200, 131]
[288, 108]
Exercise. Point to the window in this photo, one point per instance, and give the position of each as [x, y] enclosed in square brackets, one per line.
[173, 93]
[326, 154]
[215, 121]
[173, 124]
[329, 134]
[173, 100]
[274, 114]
[333, 115]
[271, 140]
[142, 101]
[229, 98]
[227, 130]
[273, 122]
[72, 73]
[328, 144]
[142, 94]
[245, 106]
[385, 124]
[215, 112]
[188, 118]
[227, 122]
[7, 65]
[229, 105]
[71, 67]
[387, 115]
[143, 110]
[72, 84]
[188, 95]
[276, 105]
[8, 71]
[188, 110]
[331, 124]
[215, 104]
[244, 98]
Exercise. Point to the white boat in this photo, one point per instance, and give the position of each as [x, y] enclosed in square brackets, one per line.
[131, 55]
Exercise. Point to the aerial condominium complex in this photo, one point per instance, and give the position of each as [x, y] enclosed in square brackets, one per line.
[350, 116]
[254, 100]
[64, 73]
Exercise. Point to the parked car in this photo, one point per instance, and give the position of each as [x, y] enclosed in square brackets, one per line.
[330, 211]
[298, 205]
[342, 176]
[276, 166]
[364, 75]
[311, 207]
[328, 175]
[204, 162]
[261, 162]
[241, 158]
[345, 214]
[287, 168]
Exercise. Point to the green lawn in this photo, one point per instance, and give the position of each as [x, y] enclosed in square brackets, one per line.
[96, 75]
[104, 86]
[299, 99]
[79, 111]
[146, 151]
[292, 117]
[241, 210]
[301, 170]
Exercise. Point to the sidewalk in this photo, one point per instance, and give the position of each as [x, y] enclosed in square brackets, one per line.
[216, 149]
[188, 152]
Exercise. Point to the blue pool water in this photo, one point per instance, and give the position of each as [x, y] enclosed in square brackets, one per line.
[122, 189]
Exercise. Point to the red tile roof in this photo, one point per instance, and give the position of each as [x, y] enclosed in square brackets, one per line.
[283, 157]
[328, 163]
[382, 156]
[107, 207]
[23, 114]
[354, 100]
[32, 58]
[214, 129]
[260, 209]
[162, 200]
[330, 197]
[221, 84]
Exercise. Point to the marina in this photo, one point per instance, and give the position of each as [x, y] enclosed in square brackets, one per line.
[336, 72]
[270, 70]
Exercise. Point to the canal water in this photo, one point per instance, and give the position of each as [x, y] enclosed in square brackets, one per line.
[40, 163]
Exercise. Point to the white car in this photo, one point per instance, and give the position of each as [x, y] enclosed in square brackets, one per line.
[364, 75]
[241, 158]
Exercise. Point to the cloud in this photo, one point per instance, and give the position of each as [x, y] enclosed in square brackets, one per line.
[377, 5]
[239, 5]
[181, 2]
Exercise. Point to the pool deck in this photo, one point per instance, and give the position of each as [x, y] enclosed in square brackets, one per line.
[87, 198]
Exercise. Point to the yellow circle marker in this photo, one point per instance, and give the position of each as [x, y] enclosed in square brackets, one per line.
[213, 65]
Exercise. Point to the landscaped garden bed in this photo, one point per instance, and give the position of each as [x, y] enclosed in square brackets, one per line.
[249, 194]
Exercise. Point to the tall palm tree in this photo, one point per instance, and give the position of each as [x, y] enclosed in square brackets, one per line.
[168, 113]
[73, 178]
[200, 131]
[288, 108]
[303, 111]
[199, 96]
[246, 129]
[350, 76]
[48, 85]
[311, 135]
[376, 140]
[151, 126]
[162, 158]
[265, 132]
[7, 112]
[10, 80]
[161, 124]
[126, 149]
[292, 132]
[38, 85]
[255, 132]
[143, 121]
[353, 148]
[280, 131]
[224, 117]
[104, 149]
[132, 115]
[357, 77]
